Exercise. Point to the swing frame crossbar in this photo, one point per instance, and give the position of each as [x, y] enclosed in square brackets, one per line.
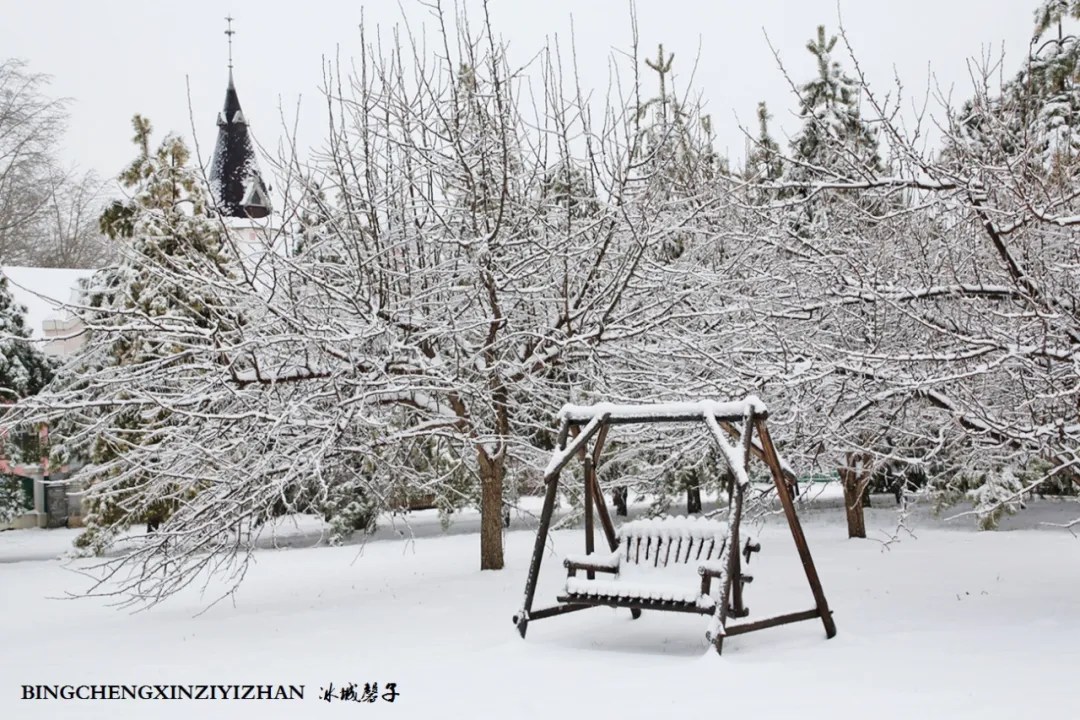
[741, 421]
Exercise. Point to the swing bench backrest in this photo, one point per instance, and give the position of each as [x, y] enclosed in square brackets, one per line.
[658, 542]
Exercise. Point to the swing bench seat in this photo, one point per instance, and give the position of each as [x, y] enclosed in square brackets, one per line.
[646, 547]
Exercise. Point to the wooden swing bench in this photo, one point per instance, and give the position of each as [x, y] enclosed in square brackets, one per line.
[645, 548]
[658, 544]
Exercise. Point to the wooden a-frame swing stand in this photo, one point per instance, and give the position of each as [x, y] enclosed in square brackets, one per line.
[713, 545]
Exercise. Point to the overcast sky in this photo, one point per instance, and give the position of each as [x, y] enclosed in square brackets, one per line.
[114, 58]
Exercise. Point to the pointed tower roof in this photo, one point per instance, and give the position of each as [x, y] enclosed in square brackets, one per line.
[234, 173]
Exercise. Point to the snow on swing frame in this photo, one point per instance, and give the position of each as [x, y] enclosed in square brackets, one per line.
[721, 418]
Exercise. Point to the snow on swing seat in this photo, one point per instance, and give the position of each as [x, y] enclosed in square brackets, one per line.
[657, 592]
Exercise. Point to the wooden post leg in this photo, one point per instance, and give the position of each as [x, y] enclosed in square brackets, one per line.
[735, 565]
[736, 548]
[769, 451]
[522, 618]
[731, 590]
[730, 555]
[600, 503]
[605, 516]
[721, 609]
[590, 537]
[589, 473]
[598, 495]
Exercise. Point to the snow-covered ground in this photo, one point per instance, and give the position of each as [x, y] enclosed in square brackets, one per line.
[951, 624]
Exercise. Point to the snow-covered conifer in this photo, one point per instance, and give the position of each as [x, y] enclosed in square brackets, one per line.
[168, 235]
[24, 370]
[835, 142]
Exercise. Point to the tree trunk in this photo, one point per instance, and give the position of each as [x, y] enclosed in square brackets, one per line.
[855, 478]
[619, 497]
[727, 481]
[693, 498]
[856, 522]
[491, 512]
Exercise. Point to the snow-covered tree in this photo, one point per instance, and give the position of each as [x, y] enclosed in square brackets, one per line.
[24, 370]
[31, 126]
[445, 302]
[834, 135]
[47, 211]
[1032, 120]
[835, 142]
[764, 160]
[677, 163]
[490, 283]
[935, 309]
[166, 228]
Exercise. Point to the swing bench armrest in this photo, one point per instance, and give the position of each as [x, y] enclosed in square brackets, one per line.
[714, 569]
[711, 568]
[596, 562]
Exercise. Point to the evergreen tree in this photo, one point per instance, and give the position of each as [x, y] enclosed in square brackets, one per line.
[674, 144]
[1051, 93]
[12, 498]
[835, 142]
[170, 233]
[313, 231]
[569, 194]
[1034, 123]
[764, 162]
[1051, 14]
[24, 371]
[834, 135]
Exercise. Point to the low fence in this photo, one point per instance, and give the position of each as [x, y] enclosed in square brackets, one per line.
[51, 501]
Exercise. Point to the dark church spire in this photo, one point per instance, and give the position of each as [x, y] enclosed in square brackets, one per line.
[234, 173]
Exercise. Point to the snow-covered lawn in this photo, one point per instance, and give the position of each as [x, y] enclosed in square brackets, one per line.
[953, 624]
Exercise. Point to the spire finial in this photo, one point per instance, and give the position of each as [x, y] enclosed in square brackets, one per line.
[230, 32]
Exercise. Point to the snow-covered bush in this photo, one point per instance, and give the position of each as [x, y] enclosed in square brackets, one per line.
[349, 509]
[1000, 494]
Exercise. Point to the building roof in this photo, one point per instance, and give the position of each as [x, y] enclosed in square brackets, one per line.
[234, 172]
[43, 291]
